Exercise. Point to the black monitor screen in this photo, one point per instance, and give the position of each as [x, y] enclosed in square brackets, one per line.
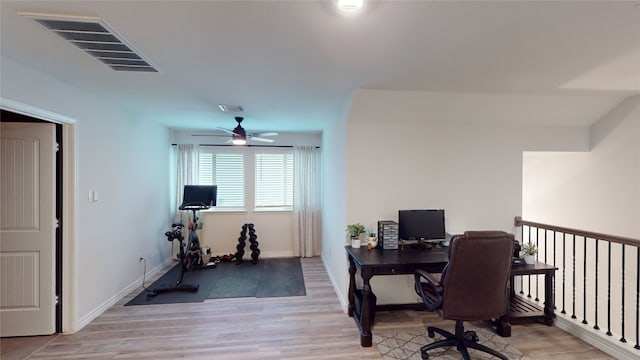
[421, 224]
[198, 195]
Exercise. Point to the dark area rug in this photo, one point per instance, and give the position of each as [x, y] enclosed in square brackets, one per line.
[271, 277]
[406, 345]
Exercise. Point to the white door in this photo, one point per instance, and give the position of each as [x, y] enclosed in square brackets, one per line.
[27, 229]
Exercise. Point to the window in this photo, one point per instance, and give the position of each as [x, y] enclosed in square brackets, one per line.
[258, 178]
[227, 171]
[274, 180]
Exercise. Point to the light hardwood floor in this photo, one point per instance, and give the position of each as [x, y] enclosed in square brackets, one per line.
[303, 327]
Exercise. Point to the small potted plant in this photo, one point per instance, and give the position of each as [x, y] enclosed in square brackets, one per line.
[529, 251]
[354, 231]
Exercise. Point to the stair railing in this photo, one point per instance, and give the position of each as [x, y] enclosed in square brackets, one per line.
[598, 279]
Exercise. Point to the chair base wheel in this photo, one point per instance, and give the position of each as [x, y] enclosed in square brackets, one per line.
[462, 340]
[471, 336]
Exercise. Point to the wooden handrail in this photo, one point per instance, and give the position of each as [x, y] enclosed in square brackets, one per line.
[587, 234]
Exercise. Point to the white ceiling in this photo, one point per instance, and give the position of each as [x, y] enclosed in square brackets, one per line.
[293, 65]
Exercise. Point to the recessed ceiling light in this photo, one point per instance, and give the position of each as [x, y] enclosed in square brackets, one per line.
[350, 4]
[230, 108]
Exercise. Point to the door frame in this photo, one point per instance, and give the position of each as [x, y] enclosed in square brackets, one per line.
[69, 295]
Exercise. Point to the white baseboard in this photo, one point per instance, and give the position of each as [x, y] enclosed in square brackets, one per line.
[598, 338]
[117, 297]
[343, 302]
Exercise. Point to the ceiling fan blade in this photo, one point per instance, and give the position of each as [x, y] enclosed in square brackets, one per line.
[260, 139]
[271, 133]
[225, 130]
[210, 135]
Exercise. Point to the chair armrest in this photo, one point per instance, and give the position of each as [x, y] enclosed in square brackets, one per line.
[430, 291]
[432, 279]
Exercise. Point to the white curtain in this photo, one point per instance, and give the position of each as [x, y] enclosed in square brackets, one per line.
[187, 156]
[306, 203]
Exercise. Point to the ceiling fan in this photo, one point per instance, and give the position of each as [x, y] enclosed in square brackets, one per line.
[239, 135]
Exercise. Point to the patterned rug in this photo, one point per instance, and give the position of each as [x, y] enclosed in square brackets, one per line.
[406, 346]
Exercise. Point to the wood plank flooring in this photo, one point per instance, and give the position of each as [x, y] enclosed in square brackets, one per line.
[302, 327]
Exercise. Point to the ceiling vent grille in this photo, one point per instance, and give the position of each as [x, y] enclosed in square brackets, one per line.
[93, 36]
[230, 108]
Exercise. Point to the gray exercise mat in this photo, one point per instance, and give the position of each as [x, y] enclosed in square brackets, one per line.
[271, 277]
[281, 277]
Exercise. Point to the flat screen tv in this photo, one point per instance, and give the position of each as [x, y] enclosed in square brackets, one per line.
[199, 195]
[421, 224]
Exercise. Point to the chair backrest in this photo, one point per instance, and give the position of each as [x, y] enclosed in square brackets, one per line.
[476, 277]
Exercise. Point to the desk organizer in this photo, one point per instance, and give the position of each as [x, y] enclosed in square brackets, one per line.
[388, 234]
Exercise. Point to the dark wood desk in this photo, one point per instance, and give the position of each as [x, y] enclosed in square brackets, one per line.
[383, 262]
[374, 262]
[520, 308]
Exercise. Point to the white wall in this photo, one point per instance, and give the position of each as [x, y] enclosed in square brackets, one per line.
[274, 230]
[402, 155]
[597, 190]
[334, 191]
[129, 172]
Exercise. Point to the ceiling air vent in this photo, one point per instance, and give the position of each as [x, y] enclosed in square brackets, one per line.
[230, 108]
[96, 38]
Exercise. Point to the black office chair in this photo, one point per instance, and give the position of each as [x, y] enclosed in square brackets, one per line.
[473, 286]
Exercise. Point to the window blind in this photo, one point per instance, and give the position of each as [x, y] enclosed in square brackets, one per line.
[274, 180]
[227, 171]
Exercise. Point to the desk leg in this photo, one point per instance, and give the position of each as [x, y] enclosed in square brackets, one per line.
[503, 326]
[503, 323]
[352, 286]
[549, 302]
[366, 338]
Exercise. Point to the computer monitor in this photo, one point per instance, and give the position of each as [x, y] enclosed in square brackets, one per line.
[199, 195]
[421, 224]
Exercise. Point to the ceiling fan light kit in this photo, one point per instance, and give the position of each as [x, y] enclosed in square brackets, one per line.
[238, 141]
[350, 4]
[239, 135]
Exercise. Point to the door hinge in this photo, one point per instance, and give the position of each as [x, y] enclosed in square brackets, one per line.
[57, 299]
[57, 147]
[57, 223]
